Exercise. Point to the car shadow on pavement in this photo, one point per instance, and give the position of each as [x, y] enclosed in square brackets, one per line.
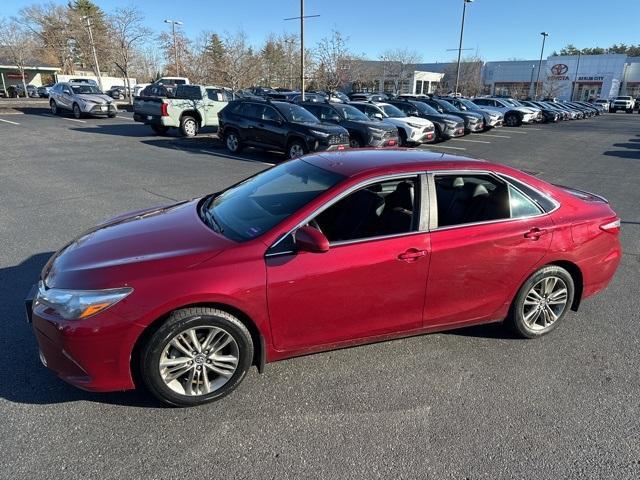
[213, 146]
[116, 129]
[497, 330]
[23, 378]
[632, 150]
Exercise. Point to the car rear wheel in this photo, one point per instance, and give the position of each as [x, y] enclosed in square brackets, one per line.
[296, 149]
[77, 113]
[232, 141]
[54, 107]
[542, 302]
[197, 356]
[188, 126]
[159, 129]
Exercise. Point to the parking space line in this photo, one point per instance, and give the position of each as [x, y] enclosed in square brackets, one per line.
[235, 158]
[472, 141]
[9, 121]
[492, 135]
[444, 146]
[64, 118]
[125, 118]
[521, 133]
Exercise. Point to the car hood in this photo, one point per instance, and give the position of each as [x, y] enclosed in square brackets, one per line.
[402, 121]
[95, 98]
[162, 239]
[373, 124]
[324, 127]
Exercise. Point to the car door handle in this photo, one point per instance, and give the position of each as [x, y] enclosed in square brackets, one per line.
[411, 255]
[535, 233]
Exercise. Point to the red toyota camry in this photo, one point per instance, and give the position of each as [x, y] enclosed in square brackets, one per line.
[318, 253]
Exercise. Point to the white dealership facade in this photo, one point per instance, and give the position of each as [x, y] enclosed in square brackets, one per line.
[574, 77]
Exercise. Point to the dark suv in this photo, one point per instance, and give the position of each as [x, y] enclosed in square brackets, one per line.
[447, 126]
[473, 122]
[363, 132]
[280, 126]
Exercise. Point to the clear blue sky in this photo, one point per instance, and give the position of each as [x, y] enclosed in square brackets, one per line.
[498, 29]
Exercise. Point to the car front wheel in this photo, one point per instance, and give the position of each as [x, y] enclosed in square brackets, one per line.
[232, 141]
[77, 113]
[296, 149]
[197, 356]
[542, 302]
[512, 120]
[54, 107]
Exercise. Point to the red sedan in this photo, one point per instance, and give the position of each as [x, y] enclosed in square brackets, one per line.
[322, 252]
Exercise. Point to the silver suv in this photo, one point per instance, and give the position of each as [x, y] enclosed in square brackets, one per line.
[81, 99]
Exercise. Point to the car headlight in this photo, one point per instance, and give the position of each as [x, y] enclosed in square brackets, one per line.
[414, 125]
[450, 123]
[320, 134]
[376, 132]
[78, 304]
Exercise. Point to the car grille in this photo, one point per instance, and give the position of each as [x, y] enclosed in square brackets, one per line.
[343, 138]
[389, 134]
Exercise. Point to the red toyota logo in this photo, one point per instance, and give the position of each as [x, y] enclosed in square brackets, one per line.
[559, 69]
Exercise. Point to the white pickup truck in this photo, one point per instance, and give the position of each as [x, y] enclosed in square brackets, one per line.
[191, 108]
[622, 103]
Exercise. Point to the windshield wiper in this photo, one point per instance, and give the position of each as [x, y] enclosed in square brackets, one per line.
[209, 217]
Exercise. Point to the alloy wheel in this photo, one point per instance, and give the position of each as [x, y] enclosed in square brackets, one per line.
[54, 108]
[354, 143]
[190, 127]
[76, 111]
[545, 302]
[199, 360]
[296, 150]
[232, 142]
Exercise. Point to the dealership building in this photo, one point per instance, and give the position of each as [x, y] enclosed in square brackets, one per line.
[577, 77]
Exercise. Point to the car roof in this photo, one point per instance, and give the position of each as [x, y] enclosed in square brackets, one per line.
[352, 163]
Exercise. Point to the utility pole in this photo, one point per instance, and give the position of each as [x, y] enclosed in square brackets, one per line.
[544, 37]
[464, 12]
[302, 17]
[575, 79]
[533, 67]
[93, 49]
[175, 44]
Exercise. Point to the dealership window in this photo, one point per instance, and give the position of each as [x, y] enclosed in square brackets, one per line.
[418, 87]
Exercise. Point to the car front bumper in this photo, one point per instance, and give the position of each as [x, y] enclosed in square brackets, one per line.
[92, 354]
[99, 110]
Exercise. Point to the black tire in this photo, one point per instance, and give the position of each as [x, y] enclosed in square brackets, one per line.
[54, 108]
[232, 141]
[111, 115]
[516, 318]
[294, 147]
[159, 129]
[355, 141]
[77, 113]
[402, 136]
[182, 320]
[630, 110]
[439, 137]
[189, 126]
[512, 120]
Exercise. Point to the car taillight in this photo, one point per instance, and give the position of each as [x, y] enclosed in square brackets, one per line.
[611, 226]
[163, 110]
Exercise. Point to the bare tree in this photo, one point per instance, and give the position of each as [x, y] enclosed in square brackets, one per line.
[398, 66]
[51, 24]
[333, 59]
[18, 45]
[470, 82]
[182, 47]
[127, 33]
[242, 67]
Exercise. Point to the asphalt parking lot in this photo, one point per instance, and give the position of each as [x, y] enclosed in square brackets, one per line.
[472, 403]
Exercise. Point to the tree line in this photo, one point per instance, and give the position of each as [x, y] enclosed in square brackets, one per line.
[629, 50]
[66, 36]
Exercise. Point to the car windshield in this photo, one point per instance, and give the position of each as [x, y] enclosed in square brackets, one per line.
[391, 111]
[85, 89]
[426, 109]
[447, 107]
[509, 101]
[351, 113]
[256, 205]
[470, 105]
[295, 113]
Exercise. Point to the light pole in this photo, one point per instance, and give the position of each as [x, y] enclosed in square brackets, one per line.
[93, 49]
[533, 67]
[464, 12]
[544, 38]
[175, 45]
[301, 18]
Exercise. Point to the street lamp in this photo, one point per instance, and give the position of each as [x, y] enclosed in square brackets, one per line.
[301, 18]
[464, 12]
[175, 45]
[544, 38]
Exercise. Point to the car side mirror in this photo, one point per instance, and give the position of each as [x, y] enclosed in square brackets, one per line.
[377, 116]
[309, 239]
[335, 119]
